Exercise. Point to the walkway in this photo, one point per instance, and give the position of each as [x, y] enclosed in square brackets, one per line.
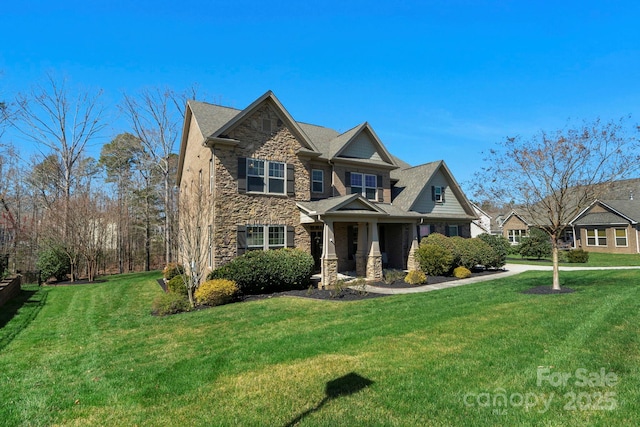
[509, 270]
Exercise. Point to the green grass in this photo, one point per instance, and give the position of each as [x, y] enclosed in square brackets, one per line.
[93, 355]
[596, 259]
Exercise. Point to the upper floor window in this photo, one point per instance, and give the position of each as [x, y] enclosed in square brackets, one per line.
[265, 176]
[317, 181]
[437, 193]
[364, 184]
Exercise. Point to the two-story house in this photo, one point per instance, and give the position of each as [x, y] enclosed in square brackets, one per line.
[342, 197]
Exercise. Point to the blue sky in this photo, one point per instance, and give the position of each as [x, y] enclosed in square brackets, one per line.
[436, 79]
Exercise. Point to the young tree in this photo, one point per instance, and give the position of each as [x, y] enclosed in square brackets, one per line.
[195, 234]
[553, 176]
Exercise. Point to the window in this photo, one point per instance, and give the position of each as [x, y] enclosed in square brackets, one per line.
[255, 237]
[453, 230]
[263, 237]
[621, 237]
[596, 237]
[276, 237]
[437, 194]
[258, 183]
[276, 177]
[317, 181]
[364, 185]
[516, 235]
[255, 175]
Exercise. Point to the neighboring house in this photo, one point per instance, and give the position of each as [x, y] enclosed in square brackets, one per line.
[482, 224]
[608, 226]
[342, 197]
[514, 227]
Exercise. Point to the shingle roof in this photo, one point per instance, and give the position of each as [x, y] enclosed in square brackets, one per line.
[629, 208]
[411, 182]
[601, 218]
[211, 117]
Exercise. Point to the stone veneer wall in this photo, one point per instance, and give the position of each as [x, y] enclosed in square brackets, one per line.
[9, 288]
[233, 208]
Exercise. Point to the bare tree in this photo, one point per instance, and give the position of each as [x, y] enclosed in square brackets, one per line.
[554, 176]
[195, 234]
[60, 123]
[156, 116]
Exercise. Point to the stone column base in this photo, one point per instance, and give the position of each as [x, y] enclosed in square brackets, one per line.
[374, 267]
[329, 272]
[361, 265]
[412, 262]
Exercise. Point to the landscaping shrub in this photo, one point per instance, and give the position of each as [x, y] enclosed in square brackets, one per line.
[501, 247]
[578, 256]
[177, 285]
[434, 260]
[439, 240]
[259, 272]
[471, 252]
[53, 262]
[171, 270]
[393, 275]
[461, 272]
[536, 245]
[169, 303]
[216, 292]
[415, 277]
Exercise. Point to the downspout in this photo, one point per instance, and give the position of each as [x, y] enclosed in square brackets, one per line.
[637, 243]
[575, 240]
[333, 170]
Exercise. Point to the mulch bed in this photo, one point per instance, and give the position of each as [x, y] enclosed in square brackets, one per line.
[348, 294]
[547, 290]
[432, 280]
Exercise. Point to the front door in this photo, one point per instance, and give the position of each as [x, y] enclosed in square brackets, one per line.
[316, 249]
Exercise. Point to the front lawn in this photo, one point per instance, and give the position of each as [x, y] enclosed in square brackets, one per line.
[93, 355]
[596, 259]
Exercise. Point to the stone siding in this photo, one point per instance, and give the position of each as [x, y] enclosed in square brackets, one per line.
[233, 208]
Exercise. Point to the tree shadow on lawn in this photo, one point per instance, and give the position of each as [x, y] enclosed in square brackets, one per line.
[30, 302]
[346, 385]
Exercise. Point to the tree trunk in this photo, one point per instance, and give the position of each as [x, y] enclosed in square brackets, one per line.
[556, 269]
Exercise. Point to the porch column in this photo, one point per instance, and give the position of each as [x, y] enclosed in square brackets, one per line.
[412, 263]
[361, 252]
[374, 260]
[329, 272]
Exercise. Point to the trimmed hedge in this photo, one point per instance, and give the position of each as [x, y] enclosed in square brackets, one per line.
[434, 260]
[258, 272]
[578, 256]
[461, 272]
[216, 292]
[415, 277]
[170, 303]
[172, 270]
[177, 285]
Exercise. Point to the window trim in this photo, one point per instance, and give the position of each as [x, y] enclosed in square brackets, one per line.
[267, 177]
[315, 181]
[597, 236]
[513, 237]
[265, 230]
[364, 187]
[626, 237]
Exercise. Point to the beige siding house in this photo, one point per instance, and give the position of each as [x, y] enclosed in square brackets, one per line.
[275, 182]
